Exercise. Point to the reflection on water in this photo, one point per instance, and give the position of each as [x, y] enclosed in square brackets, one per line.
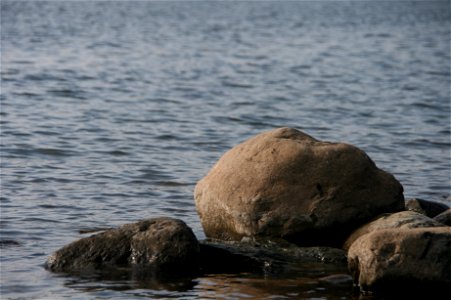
[224, 286]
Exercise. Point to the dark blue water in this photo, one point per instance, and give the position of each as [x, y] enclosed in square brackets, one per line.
[112, 111]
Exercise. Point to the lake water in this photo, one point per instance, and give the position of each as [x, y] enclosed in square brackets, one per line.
[112, 111]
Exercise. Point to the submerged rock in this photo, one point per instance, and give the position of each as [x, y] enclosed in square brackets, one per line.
[407, 260]
[403, 219]
[276, 258]
[152, 246]
[286, 184]
[425, 207]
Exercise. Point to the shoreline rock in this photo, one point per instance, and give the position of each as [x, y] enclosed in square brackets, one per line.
[400, 220]
[285, 184]
[410, 259]
[158, 245]
[262, 204]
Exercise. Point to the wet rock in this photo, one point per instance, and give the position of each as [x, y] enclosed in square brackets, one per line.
[286, 184]
[404, 219]
[152, 246]
[425, 207]
[275, 258]
[444, 217]
[407, 260]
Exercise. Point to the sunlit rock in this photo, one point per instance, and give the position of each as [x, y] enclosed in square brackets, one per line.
[403, 219]
[402, 260]
[284, 183]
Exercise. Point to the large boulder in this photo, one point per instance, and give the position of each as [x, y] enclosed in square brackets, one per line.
[403, 260]
[152, 246]
[403, 219]
[284, 183]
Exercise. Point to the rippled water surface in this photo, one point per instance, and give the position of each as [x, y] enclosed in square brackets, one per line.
[112, 111]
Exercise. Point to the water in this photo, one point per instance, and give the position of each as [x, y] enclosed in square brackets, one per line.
[112, 111]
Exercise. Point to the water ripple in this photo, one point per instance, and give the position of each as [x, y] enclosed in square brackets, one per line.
[111, 112]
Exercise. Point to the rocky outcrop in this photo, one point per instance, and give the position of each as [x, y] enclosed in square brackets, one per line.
[163, 248]
[152, 246]
[407, 260]
[404, 219]
[444, 218]
[425, 207]
[284, 183]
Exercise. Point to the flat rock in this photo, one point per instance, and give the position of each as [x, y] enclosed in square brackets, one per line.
[286, 184]
[270, 258]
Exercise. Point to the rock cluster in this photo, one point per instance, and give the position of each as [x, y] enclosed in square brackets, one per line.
[281, 201]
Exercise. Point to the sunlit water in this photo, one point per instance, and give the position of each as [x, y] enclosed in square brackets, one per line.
[112, 111]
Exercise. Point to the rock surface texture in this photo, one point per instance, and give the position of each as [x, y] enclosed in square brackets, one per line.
[403, 219]
[402, 260]
[284, 183]
[163, 245]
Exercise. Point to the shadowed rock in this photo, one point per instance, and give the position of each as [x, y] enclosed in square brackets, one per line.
[154, 246]
[276, 258]
[444, 218]
[425, 207]
[286, 184]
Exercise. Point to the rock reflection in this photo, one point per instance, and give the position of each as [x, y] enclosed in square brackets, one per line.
[251, 287]
[124, 280]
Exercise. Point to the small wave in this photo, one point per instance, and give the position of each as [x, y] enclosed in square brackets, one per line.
[237, 85]
[53, 206]
[25, 94]
[43, 77]
[24, 151]
[409, 88]
[67, 93]
[300, 69]
[166, 100]
[438, 73]
[425, 105]
[171, 183]
[115, 153]
[40, 220]
[52, 152]
[4, 243]
[106, 44]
